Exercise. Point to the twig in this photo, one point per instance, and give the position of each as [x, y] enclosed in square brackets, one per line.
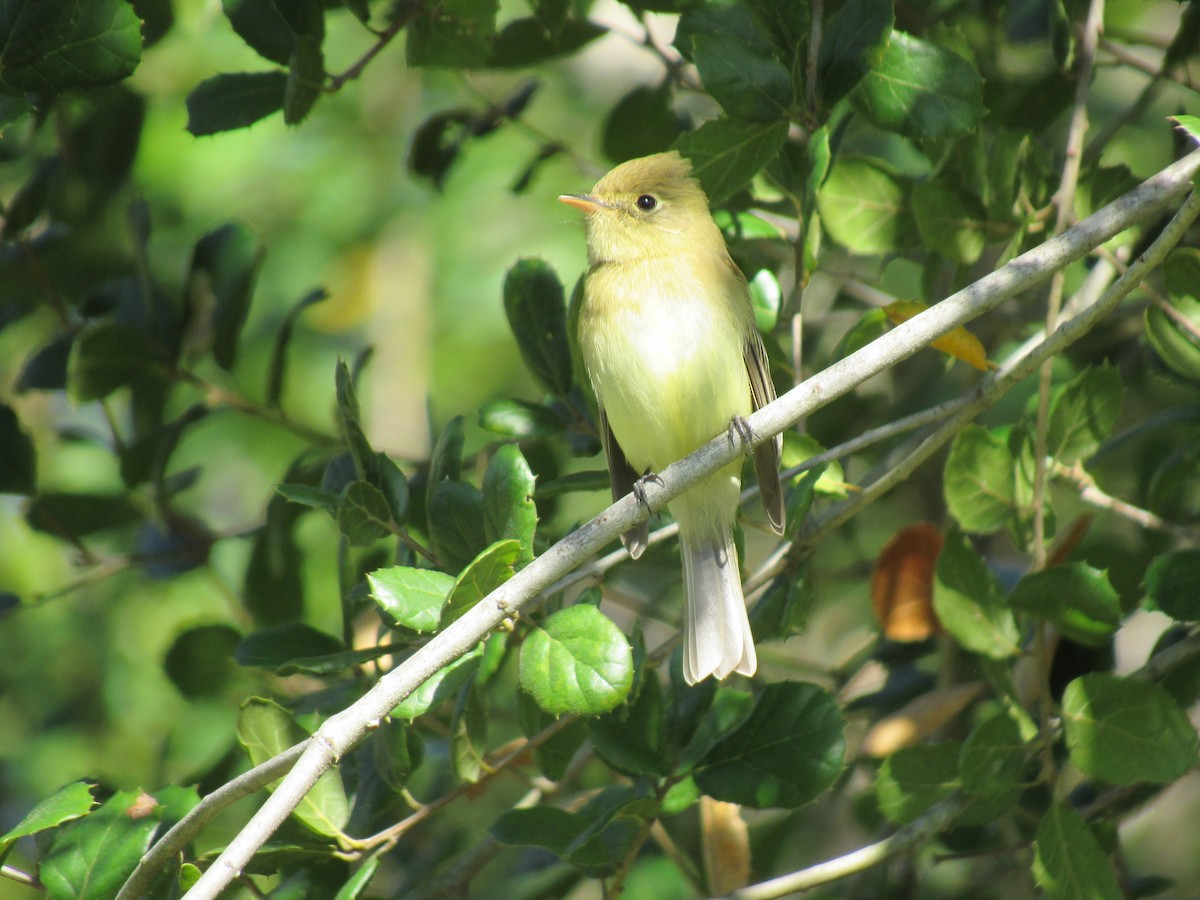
[1090, 493]
[343, 731]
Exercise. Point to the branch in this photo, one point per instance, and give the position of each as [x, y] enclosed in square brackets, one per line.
[344, 731]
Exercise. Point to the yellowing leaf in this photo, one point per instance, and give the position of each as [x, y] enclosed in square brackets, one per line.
[959, 343]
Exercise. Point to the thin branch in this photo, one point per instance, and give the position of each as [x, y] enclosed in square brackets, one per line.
[1090, 493]
[343, 731]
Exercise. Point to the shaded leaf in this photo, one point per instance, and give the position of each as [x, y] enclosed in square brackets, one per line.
[914, 779]
[951, 221]
[1078, 599]
[1083, 414]
[224, 266]
[747, 84]
[18, 458]
[200, 660]
[726, 153]
[641, 123]
[980, 480]
[527, 42]
[1069, 863]
[229, 102]
[863, 207]
[853, 43]
[537, 313]
[456, 524]
[1173, 584]
[441, 685]
[969, 603]
[363, 516]
[108, 355]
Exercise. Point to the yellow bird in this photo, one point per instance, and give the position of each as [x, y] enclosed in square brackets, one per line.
[667, 335]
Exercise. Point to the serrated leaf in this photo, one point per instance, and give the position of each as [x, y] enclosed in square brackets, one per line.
[265, 729]
[52, 46]
[631, 739]
[853, 43]
[789, 749]
[920, 90]
[487, 571]
[456, 524]
[980, 480]
[92, 857]
[1173, 584]
[18, 458]
[265, 28]
[747, 84]
[993, 759]
[913, 779]
[1069, 863]
[412, 598]
[509, 512]
[1083, 414]
[641, 123]
[969, 604]
[1125, 732]
[726, 153]
[864, 208]
[68, 803]
[363, 515]
[579, 662]
[312, 497]
[1078, 599]
[441, 685]
[950, 221]
[228, 102]
[537, 313]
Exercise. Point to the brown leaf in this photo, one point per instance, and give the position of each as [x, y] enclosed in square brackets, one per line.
[726, 846]
[919, 718]
[902, 584]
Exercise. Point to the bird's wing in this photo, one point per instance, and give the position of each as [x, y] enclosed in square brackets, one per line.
[622, 477]
[766, 454]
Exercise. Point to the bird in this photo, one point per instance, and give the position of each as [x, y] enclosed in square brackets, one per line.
[667, 336]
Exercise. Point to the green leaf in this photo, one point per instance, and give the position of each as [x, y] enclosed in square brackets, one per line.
[785, 23]
[18, 458]
[1069, 863]
[537, 314]
[1173, 584]
[1174, 341]
[468, 735]
[969, 604]
[747, 84]
[1189, 125]
[915, 778]
[78, 515]
[108, 355]
[993, 759]
[508, 509]
[528, 42]
[394, 486]
[446, 460]
[920, 90]
[594, 839]
[453, 33]
[863, 207]
[200, 660]
[306, 80]
[363, 515]
[732, 19]
[280, 646]
[357, 883]
[631, 738]
[643, 122]
[68, 803]
[274, 588]
[579, 662]
[726, 153]
[519, 419]
[265, 729]
[487, 571]
[264, 27]
[456, 524]
[786, 752]
[853, 44]
[312, 497]
[229, 102]
[1083, 414]
[53, 45]
[980, 480]
[31, 198]
[92, 857]
[277, 367]
[224, 265]
[366, 460]
[951, 221]
[412, 598]
[1125, 732]
[442, 684]
[1075, 597]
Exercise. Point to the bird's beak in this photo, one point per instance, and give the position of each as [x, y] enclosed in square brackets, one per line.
[584, 202]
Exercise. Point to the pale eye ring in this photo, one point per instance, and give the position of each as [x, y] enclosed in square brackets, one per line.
[647, 203]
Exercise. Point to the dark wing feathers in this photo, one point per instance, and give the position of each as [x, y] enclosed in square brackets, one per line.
[766, 454]
[622, 478]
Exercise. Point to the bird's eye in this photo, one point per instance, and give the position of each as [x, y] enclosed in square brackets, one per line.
[647, 203]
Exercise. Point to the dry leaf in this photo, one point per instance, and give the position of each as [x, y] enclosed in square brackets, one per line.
[902, 584]
[726, 846]
[919, 719]
[959, 343]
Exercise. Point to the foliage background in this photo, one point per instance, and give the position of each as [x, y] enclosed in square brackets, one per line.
[416, 273]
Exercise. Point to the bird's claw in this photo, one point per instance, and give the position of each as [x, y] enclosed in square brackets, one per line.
[740, 430]
[639, 488]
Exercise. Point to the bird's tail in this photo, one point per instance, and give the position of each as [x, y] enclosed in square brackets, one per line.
[716, 631]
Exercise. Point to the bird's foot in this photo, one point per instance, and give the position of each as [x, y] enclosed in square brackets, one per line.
[639, 488]
[740, 430]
